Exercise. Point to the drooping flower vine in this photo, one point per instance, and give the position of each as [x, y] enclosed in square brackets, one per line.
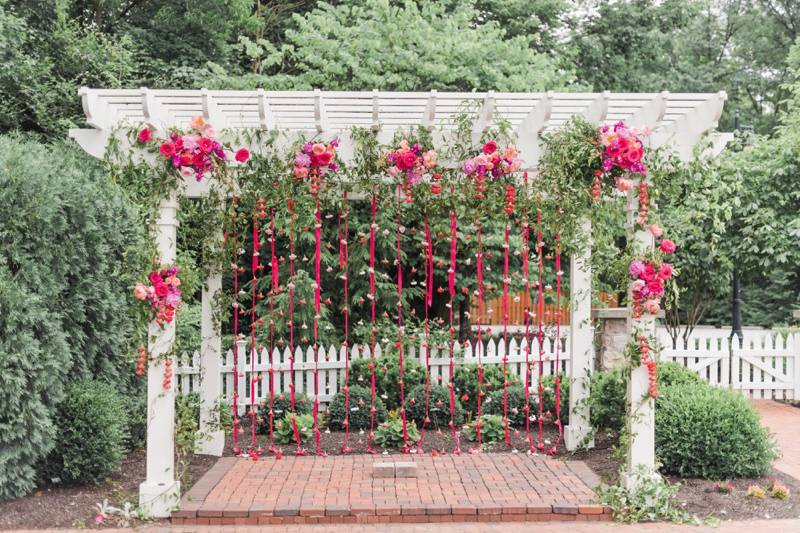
[411, 163]
[162, 293]
[621, 151]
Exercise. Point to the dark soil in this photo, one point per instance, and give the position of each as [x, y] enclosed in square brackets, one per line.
[55, 506]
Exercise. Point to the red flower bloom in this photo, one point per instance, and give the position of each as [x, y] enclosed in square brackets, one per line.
[324, 158]
[490, 147]
[242, 155]
[186, 158]
[649, 273]
[667, 246]
[655, 287]
[161, 290]
[436, 188]
[155, 278]
[167, 149]
[145, 135]
[205, 144]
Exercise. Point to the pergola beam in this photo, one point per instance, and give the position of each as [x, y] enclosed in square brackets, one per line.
[531, 127]
[484, 121]
[597, 111]
[651, 113]
[429, 117]
[156, 115]
[266, 118]
[212, 112]
[320, 114]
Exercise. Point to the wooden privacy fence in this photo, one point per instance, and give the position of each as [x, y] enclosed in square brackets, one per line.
[332, 362]
[767, 365]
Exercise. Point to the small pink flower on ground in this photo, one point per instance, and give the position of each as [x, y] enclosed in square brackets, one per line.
[667, 246]
[99, 519]
[655, 230]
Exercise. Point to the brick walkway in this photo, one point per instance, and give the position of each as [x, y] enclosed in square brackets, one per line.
[784, 422]
[342, 489]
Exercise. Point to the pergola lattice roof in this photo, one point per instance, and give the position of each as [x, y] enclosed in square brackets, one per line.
[676, 118]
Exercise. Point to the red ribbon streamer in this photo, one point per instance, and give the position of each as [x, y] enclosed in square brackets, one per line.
[540, 323]
[344, 260]
[451, 275]
[254, 452]
[479, 346]
[557, 378]
[372, 229]
[406, 446]
[275, 274]
[300, 450]
[428, 302]
[317, 309]
[527, 306]
[235, 406]
[505, 335]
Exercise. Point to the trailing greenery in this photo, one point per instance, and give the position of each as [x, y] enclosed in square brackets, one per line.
[390, 433]
[66, 263]
[492, 429]
[708, 432]
[359, 416]
[652, 501]
[92, 434]
[284, 431]
[439, 407]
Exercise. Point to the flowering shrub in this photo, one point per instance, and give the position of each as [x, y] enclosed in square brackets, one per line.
[649, 277]
[491, 162]
[315, 160]
[621, 152]
[163, 294]
[195, 153]
[411, 163]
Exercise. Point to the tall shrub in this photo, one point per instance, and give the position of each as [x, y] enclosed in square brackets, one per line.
[67, 261]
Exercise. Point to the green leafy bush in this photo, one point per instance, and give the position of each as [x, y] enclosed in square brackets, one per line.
[387, 376]
[608, 394]
[439, 407]
[465, 380]
[92, 433]
[137, 420]
[516, 404]
[359, 418]
[281, 406]
[492, 429]
[69, 247]
[390, 433]
[284, 432]
[704, 431]
[550, 396]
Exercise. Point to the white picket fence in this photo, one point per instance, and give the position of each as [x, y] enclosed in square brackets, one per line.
[766, 366]
[332, 363]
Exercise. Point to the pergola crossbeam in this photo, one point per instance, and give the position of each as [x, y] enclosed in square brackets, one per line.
[596, 112]
[211, 110]
[485, 116]
[531, 127]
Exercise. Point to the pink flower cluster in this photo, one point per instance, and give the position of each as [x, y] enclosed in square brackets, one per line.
[163, 293]
[412, 161]
[648, 281]
[622, 149]
[493, 162]
[316, 157]
[197, 153]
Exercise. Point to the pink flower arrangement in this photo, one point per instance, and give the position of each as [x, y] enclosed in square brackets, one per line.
[196, 153]
[492, 162]
[315, 160]
[163, 293]
[647, 286]
[411, 163]
[621, 154]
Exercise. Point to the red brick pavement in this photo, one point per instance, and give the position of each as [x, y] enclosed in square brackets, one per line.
[783, 421]
[342, 489]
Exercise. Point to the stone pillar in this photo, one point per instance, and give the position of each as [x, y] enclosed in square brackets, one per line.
[641, 407]
[212, 440]
[160, 492]
[581, 344]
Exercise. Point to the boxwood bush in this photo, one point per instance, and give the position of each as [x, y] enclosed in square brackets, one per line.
[360, 399]
[465, 380]
[708, 432]
[439, 409]
[493, 405]
[282, 405]
[387, 374]
[92, 433]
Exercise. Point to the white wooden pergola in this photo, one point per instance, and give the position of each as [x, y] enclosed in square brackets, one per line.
[679, 120]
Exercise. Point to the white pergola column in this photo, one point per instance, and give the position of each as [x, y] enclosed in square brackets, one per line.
[212, 440]
[581, 363]
[160, 492]
[641, 461]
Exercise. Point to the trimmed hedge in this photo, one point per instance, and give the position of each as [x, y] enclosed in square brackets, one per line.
[439, 407]
[465, 380]
[92, 433]
[704, 431]
[360, 399]
[281, 406]
[387, 375]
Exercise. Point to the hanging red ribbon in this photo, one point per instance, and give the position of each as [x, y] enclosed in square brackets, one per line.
[344, 260]
[235, 266]
[479, 346]
[505, 335]
[373, 328]
[406, 446]
[557, 377]
[273, 291]
[290, 326]
[428, 302]
[451, 276]
[540, 323]
[255, 452]
[317, 309]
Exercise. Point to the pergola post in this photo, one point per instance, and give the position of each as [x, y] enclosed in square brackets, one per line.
[160, 492]
[212, 440]
[579, 430]
[641, 463]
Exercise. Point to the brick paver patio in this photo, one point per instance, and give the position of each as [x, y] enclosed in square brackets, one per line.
[783, 421]
[342, 489]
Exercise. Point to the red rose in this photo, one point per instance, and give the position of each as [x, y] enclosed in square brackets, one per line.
[324, 158]
[242, 155]
[649, 273]
[145, 135]
[406, 161]
[655, 287]
[667, 246]
[155, 278]
[205, 144]
[167, 149]
[186, 158]
[162, 290]
[490, 147]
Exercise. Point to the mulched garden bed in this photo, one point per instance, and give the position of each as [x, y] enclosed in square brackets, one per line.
[59, 506]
